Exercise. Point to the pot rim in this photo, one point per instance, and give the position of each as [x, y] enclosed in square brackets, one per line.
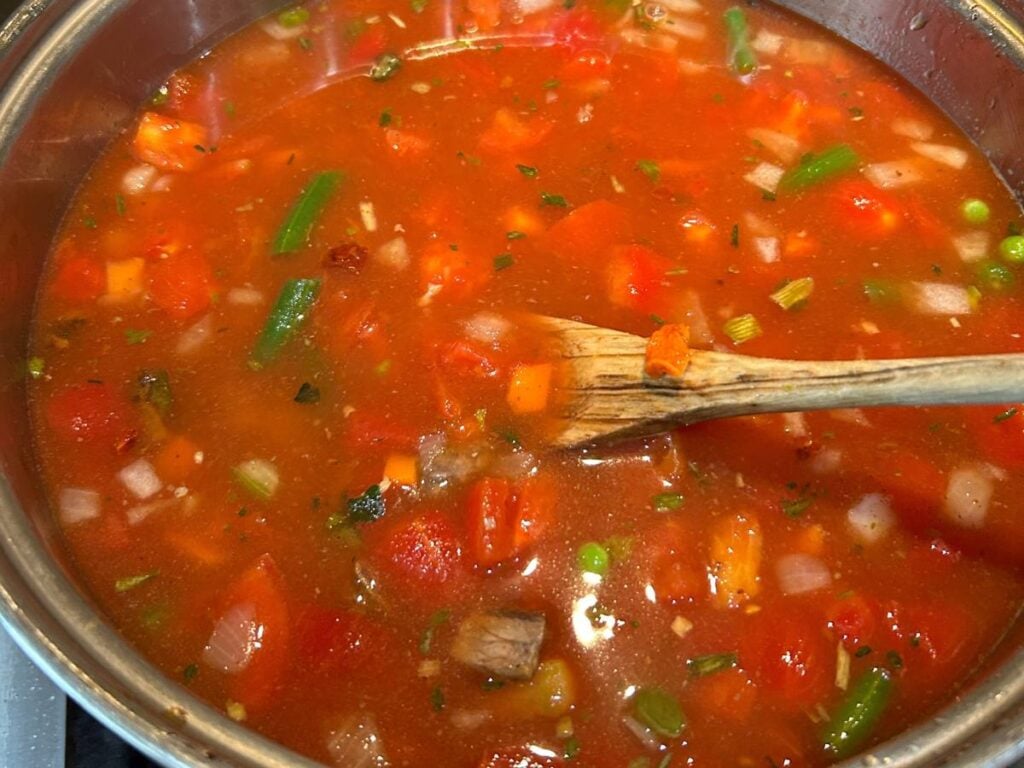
[70, 641]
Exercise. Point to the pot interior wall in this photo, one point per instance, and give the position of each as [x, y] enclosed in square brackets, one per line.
[73, 74]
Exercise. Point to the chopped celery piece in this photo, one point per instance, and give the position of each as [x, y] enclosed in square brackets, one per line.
[258, 477]
[713, 662]
[742, 329]
[793, 293]
[815, 169]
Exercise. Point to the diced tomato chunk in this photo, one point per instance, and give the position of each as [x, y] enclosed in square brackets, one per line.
[80, 279]
[854, 620]
[944, 634]
[634, 277]
[466, 358]
[181, 285]
[169, 144]
[510, 133]
[487, 13]
[405, 144]
[365, 429]
[999, 432]
[864, 211]
[261, 587]
[370, 44]
[90, 412]
[453, 274]
[337, 642]
[728, 694]
[489, 527]
[532, 511]
[787, 654]
[426, 548]
[585, 234]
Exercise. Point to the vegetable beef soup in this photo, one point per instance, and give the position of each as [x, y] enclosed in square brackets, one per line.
[291, 409]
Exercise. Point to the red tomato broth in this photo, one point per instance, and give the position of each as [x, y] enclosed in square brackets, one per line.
[411, 358]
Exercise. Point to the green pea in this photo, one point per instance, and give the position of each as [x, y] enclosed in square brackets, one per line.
[975, 211]
[1012, 249]
[994, 276]
[293, 17]
[593, 558]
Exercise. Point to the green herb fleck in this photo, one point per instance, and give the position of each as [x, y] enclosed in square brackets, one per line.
[894, 659]
[89, 222]
[135, 336]
[131, 582]
[437, 699]
[436, 620]
[492, 684]
[571, 748]
[229, 108]
[649, 168]
[190, 672]
[35, 366]
[515, 235]
[417, 5]
[711, 663]
[385, 67]
[527, 170]
[556, 201]
[667, 502]
[504, 261]
[385, 118]
[551, 84]
[863, 651]
[305, 43]
[734, 236]
[367, 507]
[795, 507]
[154, 387]
[120, 205]
[307, 394]
[1009, 413]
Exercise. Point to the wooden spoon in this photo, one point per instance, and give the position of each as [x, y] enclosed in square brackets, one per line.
[604, 392]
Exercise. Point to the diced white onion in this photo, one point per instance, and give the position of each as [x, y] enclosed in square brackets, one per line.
[758, 225]
[855, 416]
[800, 573]
[826, 461]
[691, 30]
[195, 336]
[941, 299]
[280, 31]
[368, 215]
[469, 719]
[163, 184]
[681, 626]
[514, 465]
[768, 249]
[893, 174]
[486, 327]
[649, 40]
[394, 253]
[870, 519]
[842, 666]
[136, 180]
[766, 176]
[643, 734]
[234, 639]
[77, 505]
[968, 495]
[795, 423]
[972, 246]
[809, 51]
[696, 317]
[682, 6]
[140, 479]
[785, 147]
[259, 477]
[245, 296]
[954, 157]
[526, 7]
[767, 42]
[356, 743]
[138, 513]
[912, 129]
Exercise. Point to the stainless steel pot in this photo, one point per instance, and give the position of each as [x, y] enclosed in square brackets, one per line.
[71, 75]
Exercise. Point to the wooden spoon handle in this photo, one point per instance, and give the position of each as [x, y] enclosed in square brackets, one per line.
[732, 385]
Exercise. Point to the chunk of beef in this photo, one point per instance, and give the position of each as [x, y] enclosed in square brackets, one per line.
[501, 643]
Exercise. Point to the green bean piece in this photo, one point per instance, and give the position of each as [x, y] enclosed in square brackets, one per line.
[858, 714]
[298, 225]
[815, 169]
[288, 314]
[741, 56]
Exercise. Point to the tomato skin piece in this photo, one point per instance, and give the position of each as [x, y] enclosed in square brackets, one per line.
[854, 620]
[88, 412]
[532, 512]
[261, 586]
[369, 45]
[181, 285]
[488, 525]
[405, 144]
[79, 279]
[465, 358]
[585, 233]
[426, 549]
[1001, 440]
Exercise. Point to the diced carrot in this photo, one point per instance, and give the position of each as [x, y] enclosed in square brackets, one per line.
[729, 694]
[169, 144]
[91, 412]
[735, 560]
[799, 245]
[551, 693]
[697, 228]
[509, 133]
[586, 233]
[124, 278]
[200, 548]
[402, 468]
[517, 218]
[529, 388]
[450, 273]
[634, 274]
[811, 540]
[668, 351]
[176, 459]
